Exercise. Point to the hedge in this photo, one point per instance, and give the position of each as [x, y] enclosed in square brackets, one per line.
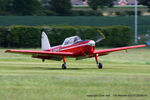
[30, 36]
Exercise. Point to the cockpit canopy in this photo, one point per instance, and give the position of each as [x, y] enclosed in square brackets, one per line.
[71, 40]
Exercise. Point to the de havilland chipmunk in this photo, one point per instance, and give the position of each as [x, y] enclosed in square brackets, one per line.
[71, 47]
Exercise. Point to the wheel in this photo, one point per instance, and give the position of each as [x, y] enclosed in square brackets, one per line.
[100, 66]
[64, 66]
[43, 60]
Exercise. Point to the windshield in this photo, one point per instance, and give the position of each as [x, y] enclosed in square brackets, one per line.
[71, 40]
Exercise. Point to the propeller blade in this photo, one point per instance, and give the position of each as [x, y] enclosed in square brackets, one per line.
[100, 36]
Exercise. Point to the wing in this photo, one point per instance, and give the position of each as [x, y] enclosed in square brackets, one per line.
[41, 53]
[107, 51]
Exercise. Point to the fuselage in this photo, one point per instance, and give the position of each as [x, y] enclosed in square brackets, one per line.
[81, 48]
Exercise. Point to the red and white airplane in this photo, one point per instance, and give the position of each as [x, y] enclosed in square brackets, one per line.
[71, 47]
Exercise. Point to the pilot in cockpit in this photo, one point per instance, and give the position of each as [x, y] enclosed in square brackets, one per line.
[75, 40]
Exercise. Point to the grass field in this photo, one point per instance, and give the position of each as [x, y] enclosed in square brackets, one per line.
[24, 78]
[143, 24]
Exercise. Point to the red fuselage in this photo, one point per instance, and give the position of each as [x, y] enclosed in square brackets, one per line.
[81, 48]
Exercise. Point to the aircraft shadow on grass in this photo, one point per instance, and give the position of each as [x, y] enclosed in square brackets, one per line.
[41, 68]
[46, 68]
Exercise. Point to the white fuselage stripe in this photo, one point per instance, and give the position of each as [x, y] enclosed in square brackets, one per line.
[74, 46]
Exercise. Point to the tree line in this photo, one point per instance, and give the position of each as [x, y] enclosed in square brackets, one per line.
[54, 7]
[30, 36]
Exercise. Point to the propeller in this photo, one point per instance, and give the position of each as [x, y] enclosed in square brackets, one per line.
[99, 37]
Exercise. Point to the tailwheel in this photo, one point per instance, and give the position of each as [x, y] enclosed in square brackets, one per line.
[100, 66]
[64, 66]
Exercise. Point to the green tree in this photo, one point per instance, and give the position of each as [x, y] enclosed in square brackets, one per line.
[95, 4]
[3, 4]
[145, 2]
[26, 7]
[62, 7]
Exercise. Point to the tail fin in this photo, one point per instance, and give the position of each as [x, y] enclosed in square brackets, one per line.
[45, 42]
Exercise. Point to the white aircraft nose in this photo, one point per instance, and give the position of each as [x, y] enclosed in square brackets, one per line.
[91, 43]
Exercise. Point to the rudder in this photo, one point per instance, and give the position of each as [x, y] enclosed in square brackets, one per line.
[45, 45]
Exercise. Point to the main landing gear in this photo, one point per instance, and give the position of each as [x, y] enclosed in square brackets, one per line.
[64, 65]
[100, 66]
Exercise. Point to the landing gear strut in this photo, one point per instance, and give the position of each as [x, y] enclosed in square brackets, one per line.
[64, 65]
[100, 66]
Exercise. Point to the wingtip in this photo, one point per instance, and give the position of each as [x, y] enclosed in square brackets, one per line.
[7, 51]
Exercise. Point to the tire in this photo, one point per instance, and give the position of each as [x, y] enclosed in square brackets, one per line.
[64, 66]
[100, 66]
